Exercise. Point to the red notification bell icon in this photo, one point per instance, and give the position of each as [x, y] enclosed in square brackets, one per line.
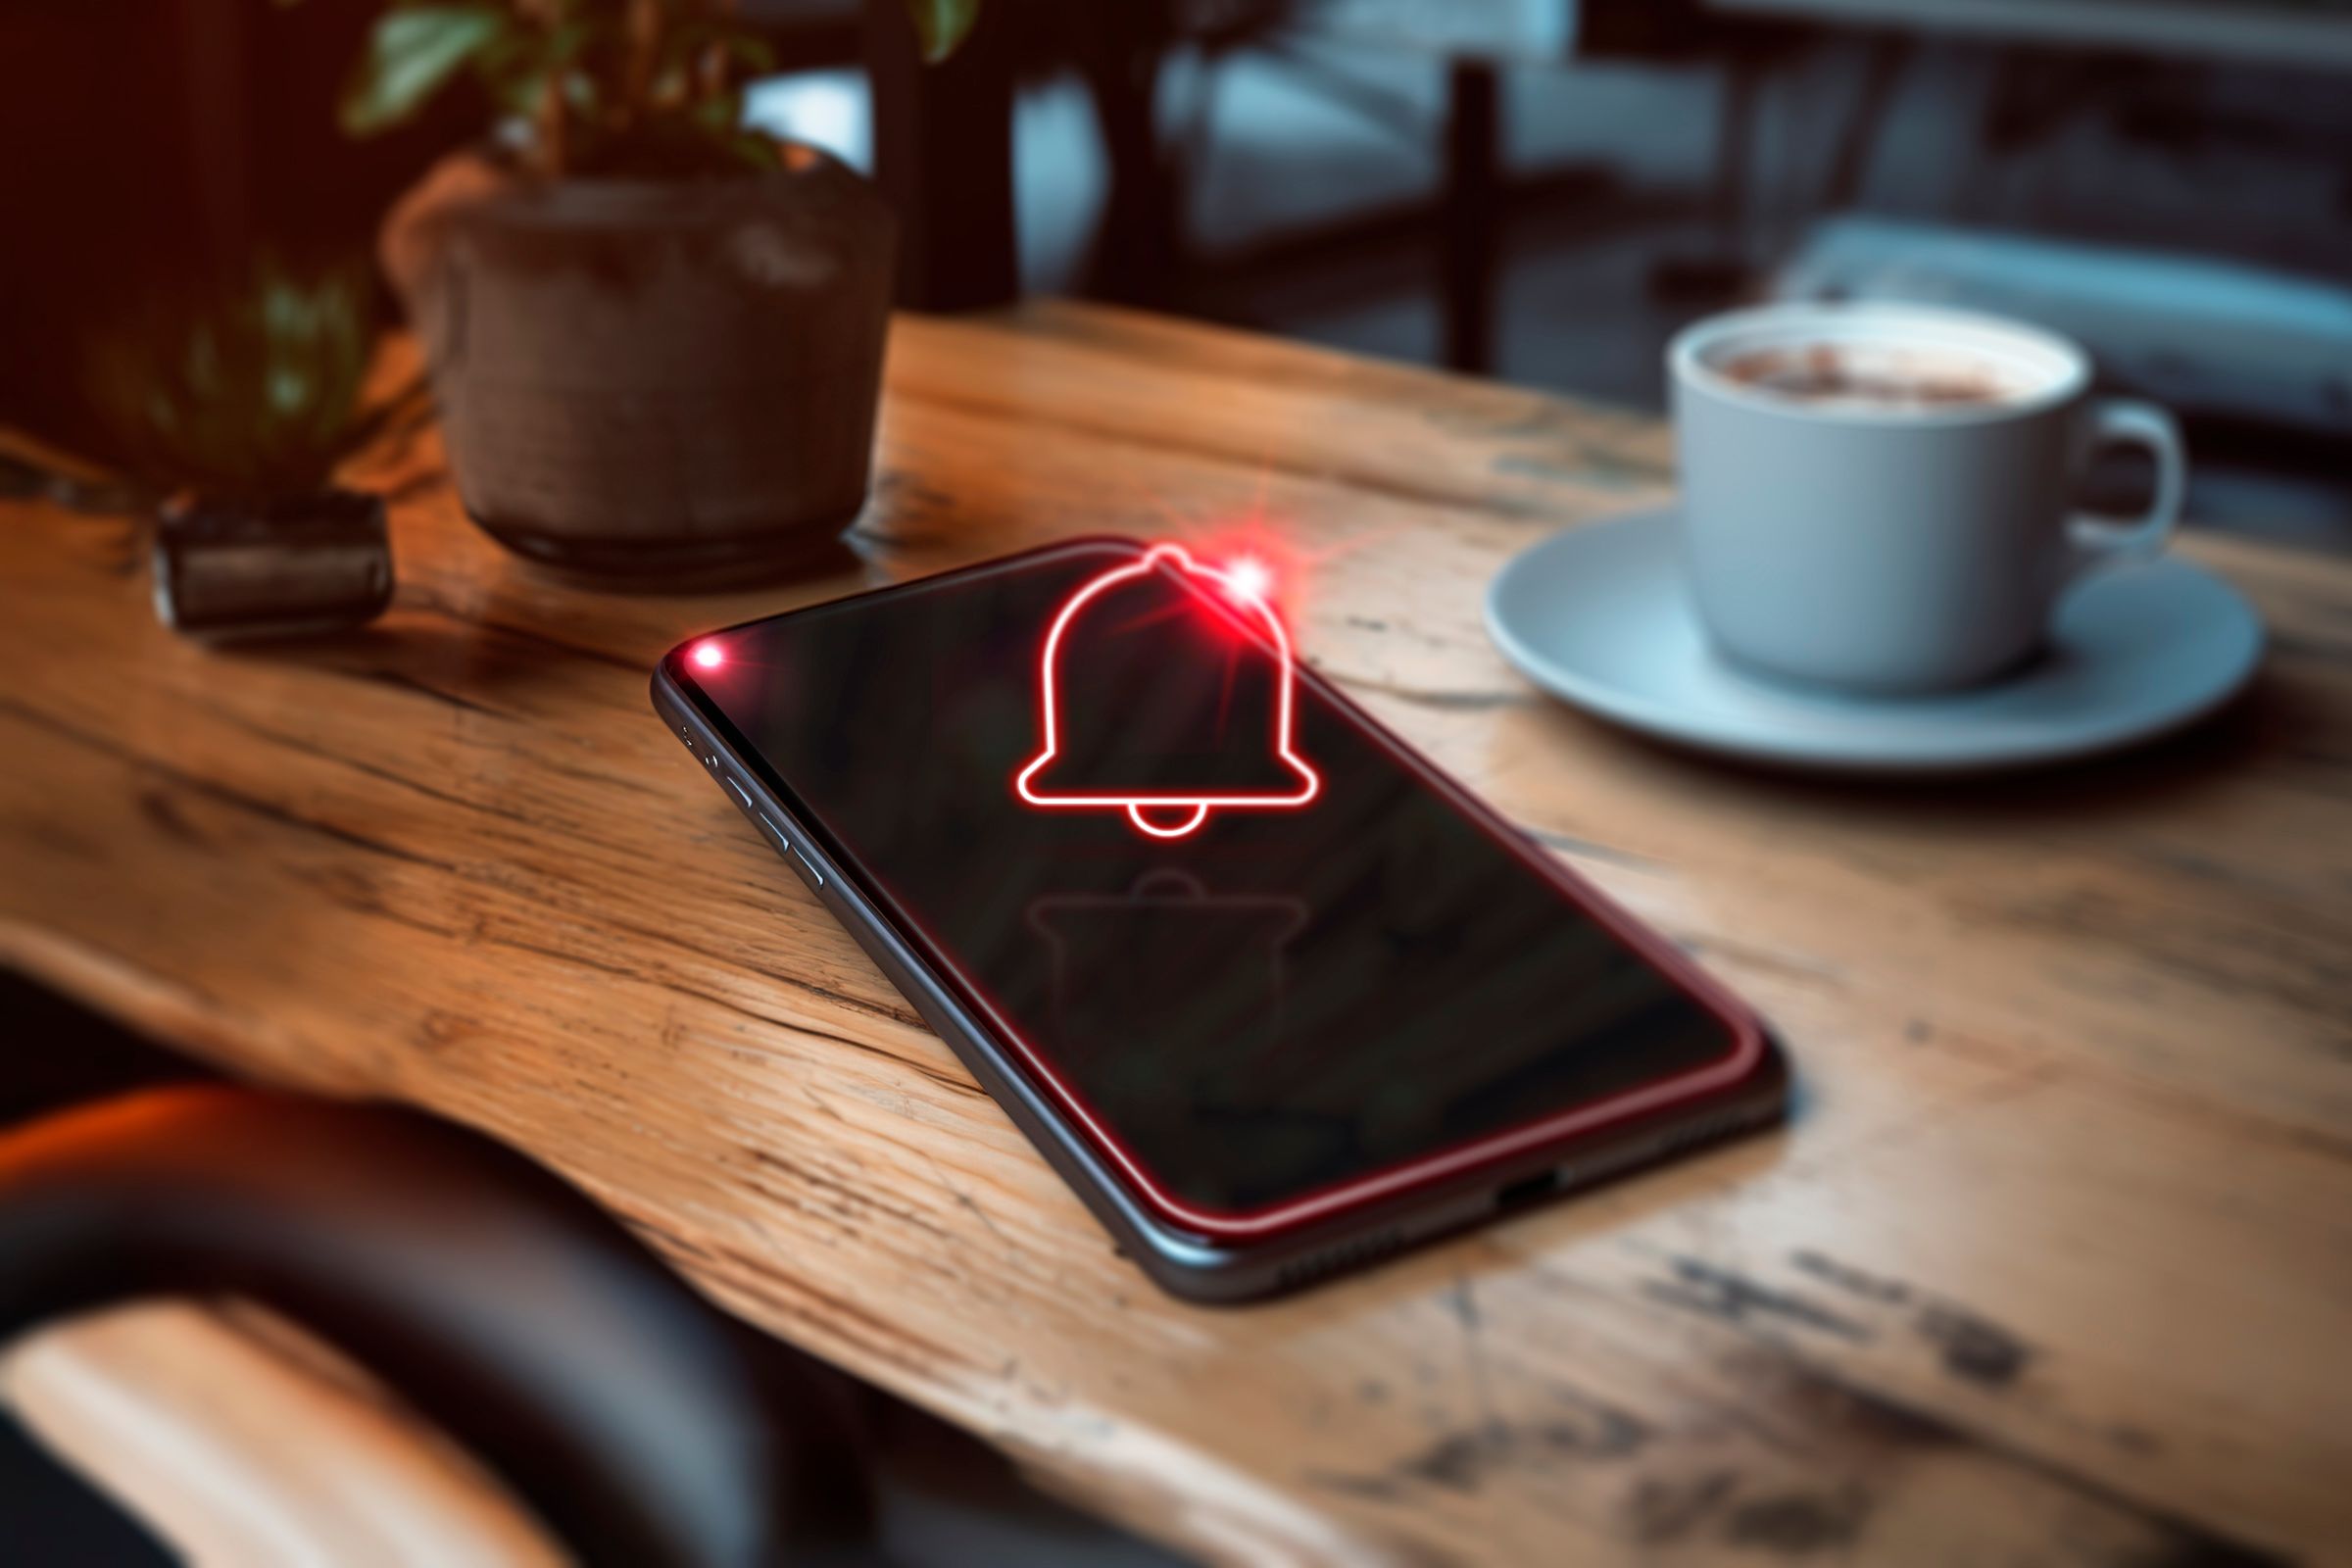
[1165, 692]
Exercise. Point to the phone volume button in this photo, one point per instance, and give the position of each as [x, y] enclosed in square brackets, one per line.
[792, 852]
[781, 839]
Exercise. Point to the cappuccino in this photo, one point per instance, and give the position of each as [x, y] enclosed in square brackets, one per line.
[1879, 498]
[1877, 375]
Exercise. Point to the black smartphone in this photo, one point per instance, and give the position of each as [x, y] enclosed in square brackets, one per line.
[1273, 994]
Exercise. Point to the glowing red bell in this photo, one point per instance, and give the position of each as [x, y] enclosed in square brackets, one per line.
[1165, 692]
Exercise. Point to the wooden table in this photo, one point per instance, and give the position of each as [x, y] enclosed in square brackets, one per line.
[2054, 1263]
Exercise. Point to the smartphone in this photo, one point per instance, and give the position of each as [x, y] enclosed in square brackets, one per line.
[1275, 1044]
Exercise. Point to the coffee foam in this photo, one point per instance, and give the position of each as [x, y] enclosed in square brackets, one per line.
[1875, 374]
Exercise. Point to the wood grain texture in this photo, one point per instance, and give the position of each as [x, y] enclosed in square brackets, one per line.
[2054, 1263]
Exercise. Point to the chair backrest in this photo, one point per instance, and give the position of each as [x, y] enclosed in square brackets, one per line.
[501, 1302]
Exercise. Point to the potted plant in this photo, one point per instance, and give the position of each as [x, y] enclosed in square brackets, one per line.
[231, 412]
[656, 337]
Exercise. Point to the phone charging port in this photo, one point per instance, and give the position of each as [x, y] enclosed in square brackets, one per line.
[1526, 1189]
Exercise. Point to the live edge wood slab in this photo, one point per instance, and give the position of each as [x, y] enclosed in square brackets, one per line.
[2054, 1263]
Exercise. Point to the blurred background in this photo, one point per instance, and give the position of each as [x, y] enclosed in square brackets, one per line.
[1536, 190]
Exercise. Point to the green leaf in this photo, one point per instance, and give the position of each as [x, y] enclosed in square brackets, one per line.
[514, 69]
[940, 24]
[756, 56]
[411, 54]
[251, 392]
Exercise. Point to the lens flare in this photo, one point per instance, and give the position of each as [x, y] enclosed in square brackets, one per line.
[706, 655]
[1249, 580]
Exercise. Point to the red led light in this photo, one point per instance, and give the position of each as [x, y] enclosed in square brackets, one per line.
[1249, 580]
[706, 655]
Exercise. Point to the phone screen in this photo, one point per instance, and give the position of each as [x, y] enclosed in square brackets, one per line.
[1265, 1016]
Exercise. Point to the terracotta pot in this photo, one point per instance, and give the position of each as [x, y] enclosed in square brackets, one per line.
[653, 380]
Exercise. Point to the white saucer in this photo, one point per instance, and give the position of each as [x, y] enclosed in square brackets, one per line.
[1599, 617]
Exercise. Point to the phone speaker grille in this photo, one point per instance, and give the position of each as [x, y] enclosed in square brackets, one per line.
[1716, 1128]
[1358, 1251]
[1340, 1258]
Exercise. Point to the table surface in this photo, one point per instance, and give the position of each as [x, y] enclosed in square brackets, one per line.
[2054, 1262]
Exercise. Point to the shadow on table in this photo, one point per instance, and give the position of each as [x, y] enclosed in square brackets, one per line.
[2275, 721]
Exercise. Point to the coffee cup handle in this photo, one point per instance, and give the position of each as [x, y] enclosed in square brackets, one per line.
[2101, 541]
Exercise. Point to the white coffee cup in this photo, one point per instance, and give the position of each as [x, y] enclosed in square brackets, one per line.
[1877, 496]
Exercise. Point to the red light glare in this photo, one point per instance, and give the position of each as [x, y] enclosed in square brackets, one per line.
[1263, 565]
[706, 655]
[1249, 580]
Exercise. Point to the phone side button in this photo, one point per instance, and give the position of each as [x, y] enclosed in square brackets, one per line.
[792, 852]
